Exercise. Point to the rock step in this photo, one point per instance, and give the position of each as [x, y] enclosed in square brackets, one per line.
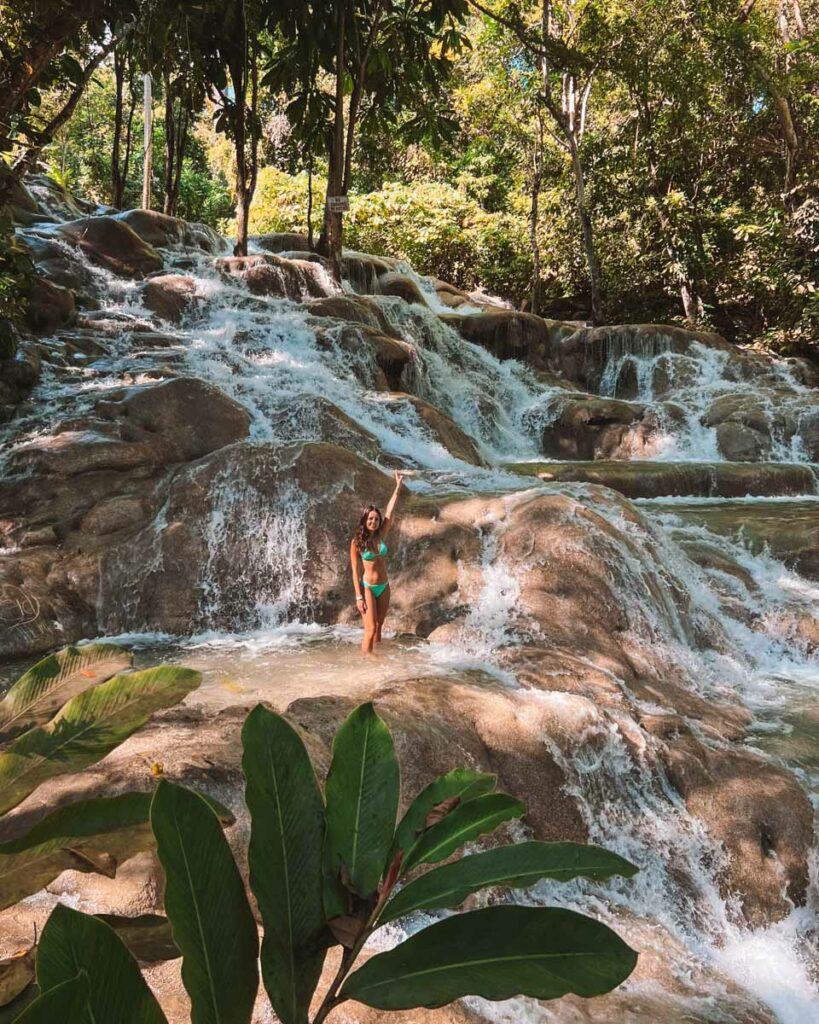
[789, 530]
[679, 479]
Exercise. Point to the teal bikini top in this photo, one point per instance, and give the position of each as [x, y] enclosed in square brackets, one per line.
[369, 556]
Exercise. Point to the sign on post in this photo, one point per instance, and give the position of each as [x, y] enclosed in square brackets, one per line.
[338, 204]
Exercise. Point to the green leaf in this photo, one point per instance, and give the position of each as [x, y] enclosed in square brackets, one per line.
[90, 726]
[467, 822]
[72, 942]
[499, 952]
[285, 857]
[460, 782]
[362, 799]
[116, 825]
[515, 867]
[207, 906]
[43, 690]
[67, 1003]
[147, 937]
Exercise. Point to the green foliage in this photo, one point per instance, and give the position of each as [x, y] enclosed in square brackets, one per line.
[497, 952]
[286, 841]
[362, 800]
[206, 904]
[73, 944]
[88, 727]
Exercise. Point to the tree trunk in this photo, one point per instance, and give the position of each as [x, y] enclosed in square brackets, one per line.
[333, 233]
[592, 262]
[117, 184]
[147, 156]
[170, 144]
[534, 214]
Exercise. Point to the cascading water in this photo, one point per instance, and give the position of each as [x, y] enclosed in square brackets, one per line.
[717, 629]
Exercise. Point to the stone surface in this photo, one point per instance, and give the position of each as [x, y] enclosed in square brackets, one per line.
[161, 231]
[170, 296]
[268, 274]
[48, 305]
[112, 244]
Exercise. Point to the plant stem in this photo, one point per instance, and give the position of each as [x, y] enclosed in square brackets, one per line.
[348, 958]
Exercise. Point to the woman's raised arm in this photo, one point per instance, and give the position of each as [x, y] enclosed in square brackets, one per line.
[388, 514]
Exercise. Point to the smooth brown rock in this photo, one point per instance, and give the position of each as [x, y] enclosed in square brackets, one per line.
[113, 244]
[394, 283]
[159, 230]
[48, 305]
[591, 427]
[508, 334]
[444, 429]
[170, 296]
[267, 274]
[283, 241]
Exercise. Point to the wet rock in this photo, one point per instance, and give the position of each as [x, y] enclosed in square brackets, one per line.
[645, 479]
[112, 244]
[267, 274]
[48, 305]
[444, 429]
[511, 335]
[740, 442]
[170, 296]
[317, 419]
[351, 309]
[583, 354]
[761, 816]
[57, 261]
[162, 231]
[55, 200]
[191, 416]
[9, 339]
[82, 451]
[393, 283]
[449, 295]
[591, 427]
[18, 376]
[284, 241]
[363, 271]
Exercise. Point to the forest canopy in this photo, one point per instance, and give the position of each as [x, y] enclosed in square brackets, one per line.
[617, 160]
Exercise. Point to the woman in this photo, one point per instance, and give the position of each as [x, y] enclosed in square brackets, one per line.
[368, 557]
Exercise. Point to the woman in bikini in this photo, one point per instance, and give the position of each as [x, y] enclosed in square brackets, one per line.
[368, 557]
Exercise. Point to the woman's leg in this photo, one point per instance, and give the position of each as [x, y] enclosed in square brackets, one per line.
[382, 605]
[370, 617]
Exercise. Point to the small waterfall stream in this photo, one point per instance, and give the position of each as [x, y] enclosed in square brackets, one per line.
[287, 366]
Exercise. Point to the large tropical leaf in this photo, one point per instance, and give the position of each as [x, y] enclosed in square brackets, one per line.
[43, 690]
[362, 799]
[76, 836]
[67, 1003]
[499, 952]
[515, 867]
[285, 857]
[207, 906]
[91, 835]
[462, 783]
[88, 727]
[73, 942]
[465, 823]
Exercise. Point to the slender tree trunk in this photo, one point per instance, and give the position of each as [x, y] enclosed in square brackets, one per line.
[117, 185]
[310, 239]
[332, 235]
[170, 143]
[537, 180]
[147, 157]
[592, 262]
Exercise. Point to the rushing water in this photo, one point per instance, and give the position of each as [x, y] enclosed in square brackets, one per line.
[282, 363]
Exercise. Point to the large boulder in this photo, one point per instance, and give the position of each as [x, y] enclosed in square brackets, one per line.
[443, 428]
[112, 244]
[170, 296]
[283, 241]
[48, 305]
[161, 231]
[591, 427]
[508, 334]
[268, 274]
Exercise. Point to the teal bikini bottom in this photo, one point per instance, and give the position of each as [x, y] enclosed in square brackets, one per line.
[377, 588]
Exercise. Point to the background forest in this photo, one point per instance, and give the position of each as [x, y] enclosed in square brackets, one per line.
[623, 160]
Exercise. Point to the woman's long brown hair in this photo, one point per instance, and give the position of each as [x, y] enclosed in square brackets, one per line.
[364, 540]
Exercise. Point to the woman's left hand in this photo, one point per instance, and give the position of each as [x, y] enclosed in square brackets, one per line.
[399, 478]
